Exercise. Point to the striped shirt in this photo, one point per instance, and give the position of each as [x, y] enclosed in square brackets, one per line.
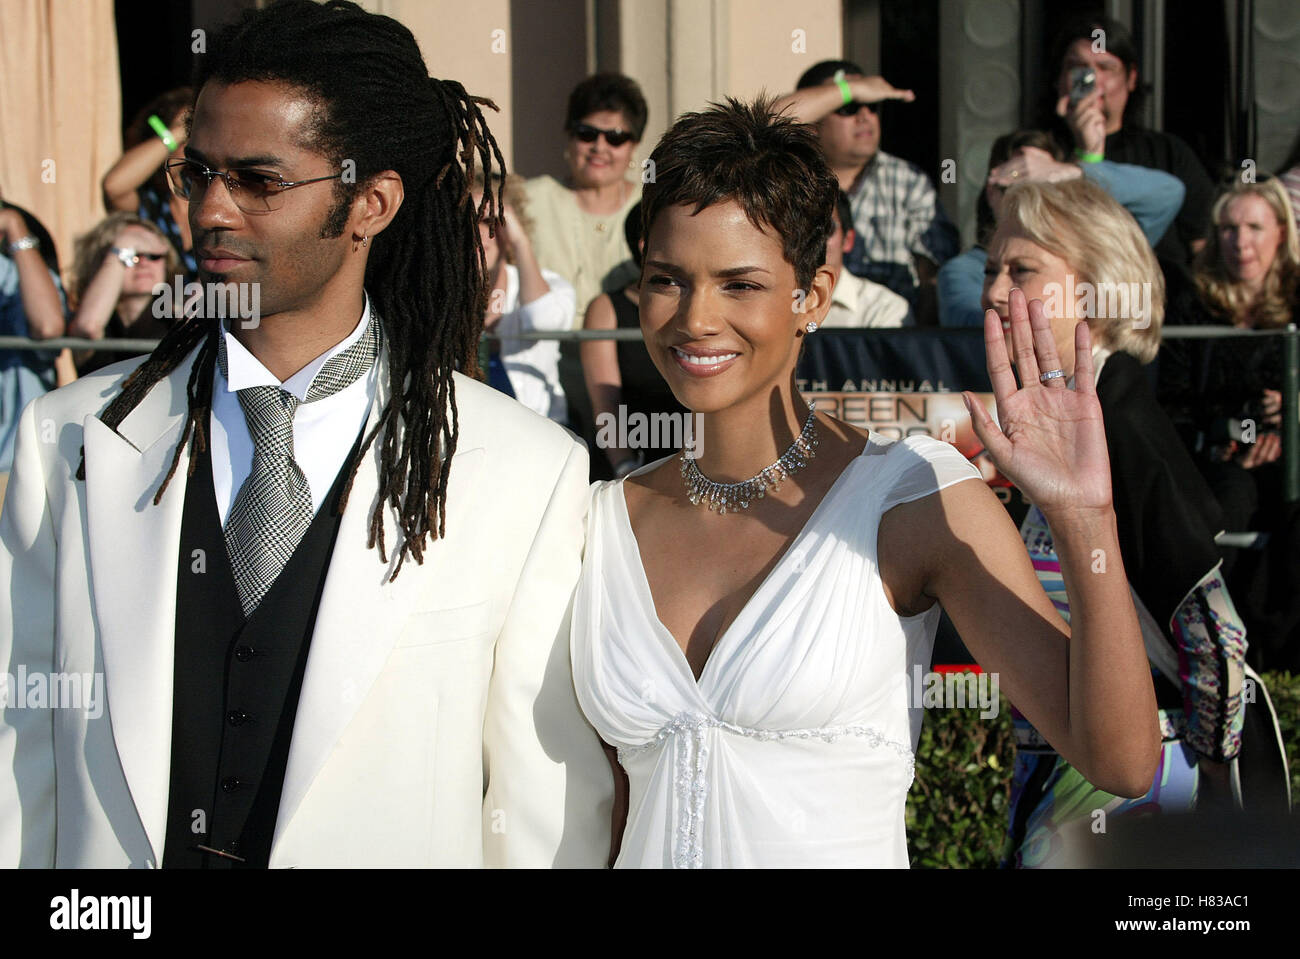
[896, 214]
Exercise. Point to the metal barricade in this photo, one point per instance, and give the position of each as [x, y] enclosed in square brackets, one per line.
[1290, 368]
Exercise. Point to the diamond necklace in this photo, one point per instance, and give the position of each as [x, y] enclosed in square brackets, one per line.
[725, 497]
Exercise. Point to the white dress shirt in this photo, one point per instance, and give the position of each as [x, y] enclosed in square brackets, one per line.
[533, 366]
[323, 431]
[858, 303]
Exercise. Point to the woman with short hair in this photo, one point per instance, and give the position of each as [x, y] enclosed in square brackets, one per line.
[750, 611]
[579, 223]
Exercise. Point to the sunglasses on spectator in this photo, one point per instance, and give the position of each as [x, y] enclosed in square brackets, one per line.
[131, 257]
[588, 134]
[852, 109]
[252, 191]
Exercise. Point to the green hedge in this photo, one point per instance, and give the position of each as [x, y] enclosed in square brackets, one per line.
[957, 807]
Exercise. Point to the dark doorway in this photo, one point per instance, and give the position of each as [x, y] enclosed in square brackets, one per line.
[909, 59]
[153, 50]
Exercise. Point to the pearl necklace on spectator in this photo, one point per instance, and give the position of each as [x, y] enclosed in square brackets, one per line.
[728, 496]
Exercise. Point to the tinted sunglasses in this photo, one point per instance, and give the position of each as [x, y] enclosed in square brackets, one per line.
[588, 134]
[151, 257]
[851, 109]
[252, 190]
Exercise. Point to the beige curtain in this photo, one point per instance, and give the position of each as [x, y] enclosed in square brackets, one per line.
[60, 111]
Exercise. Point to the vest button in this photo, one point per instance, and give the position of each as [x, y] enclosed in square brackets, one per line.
[237, 717]
[243, 653]
[230, 784]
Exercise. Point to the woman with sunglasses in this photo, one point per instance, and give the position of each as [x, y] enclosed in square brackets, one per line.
[749, 615]
[579, 223]
[117, 266]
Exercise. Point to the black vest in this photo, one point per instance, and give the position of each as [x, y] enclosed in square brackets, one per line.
[236, 685]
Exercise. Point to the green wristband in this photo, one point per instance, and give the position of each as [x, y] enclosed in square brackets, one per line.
[845, 91]
[1086, 157]
[164, 134]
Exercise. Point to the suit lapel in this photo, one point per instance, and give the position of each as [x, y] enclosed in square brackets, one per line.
[133, 547]
[361, 613]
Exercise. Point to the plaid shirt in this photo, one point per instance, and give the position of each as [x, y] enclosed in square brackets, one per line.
[896, 214]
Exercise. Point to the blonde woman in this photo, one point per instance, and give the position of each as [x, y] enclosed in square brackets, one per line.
[1248, 272]
[1247, 277]
[118, 264]
[1226, 397]
[1072, 246]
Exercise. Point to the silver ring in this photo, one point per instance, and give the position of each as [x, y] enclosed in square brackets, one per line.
[1050, 375]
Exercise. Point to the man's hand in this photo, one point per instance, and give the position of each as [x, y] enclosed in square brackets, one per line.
[875, 89]
[1087, 122]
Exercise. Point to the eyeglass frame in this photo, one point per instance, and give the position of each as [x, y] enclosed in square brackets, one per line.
[598, 132]
[210, 174]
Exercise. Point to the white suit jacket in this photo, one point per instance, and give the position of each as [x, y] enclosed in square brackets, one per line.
[437, 723]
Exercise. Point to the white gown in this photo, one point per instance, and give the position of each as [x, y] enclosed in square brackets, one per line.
[796, 746]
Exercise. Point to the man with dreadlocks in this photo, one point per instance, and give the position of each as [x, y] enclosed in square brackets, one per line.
[311, 577]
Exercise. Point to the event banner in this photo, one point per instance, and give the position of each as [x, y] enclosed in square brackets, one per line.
[903, 382]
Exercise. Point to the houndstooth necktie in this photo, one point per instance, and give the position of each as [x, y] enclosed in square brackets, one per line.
[273, 509]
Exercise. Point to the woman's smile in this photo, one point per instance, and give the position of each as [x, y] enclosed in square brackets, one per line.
[698, 361]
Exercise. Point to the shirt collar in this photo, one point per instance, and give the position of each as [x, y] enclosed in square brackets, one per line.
[244, 370]
[868, 169]
[848, 290]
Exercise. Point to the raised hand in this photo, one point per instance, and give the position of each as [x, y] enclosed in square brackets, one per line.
[1087, 122]
[875, 89]
[1049, 439]
[1030, 164]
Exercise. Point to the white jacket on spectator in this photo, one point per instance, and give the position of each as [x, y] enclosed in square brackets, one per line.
[534, 365]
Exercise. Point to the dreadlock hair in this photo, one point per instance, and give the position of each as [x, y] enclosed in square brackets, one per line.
[377, 107]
